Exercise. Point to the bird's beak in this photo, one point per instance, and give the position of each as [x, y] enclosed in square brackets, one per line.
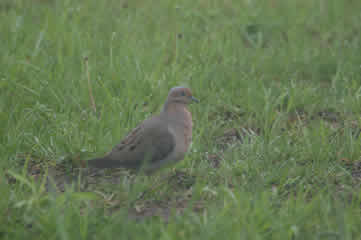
[195, 99]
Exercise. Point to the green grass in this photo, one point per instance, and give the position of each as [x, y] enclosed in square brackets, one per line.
[276, 145]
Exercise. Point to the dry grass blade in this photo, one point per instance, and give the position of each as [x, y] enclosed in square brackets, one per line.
[92, 101]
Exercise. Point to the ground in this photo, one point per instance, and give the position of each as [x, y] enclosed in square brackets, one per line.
[276, 138]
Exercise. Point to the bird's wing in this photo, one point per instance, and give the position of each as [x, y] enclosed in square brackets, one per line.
[149, 142]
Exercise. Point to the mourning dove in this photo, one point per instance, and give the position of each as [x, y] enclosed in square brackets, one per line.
[157, 141]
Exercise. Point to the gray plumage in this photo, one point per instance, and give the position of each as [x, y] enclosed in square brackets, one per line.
[156, 142]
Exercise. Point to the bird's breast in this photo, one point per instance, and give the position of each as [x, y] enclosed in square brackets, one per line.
[187, 127]
[181, 125]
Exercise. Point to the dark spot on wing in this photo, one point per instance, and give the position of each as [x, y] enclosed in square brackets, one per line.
[130, 138]
[132, 147]
[120, 147]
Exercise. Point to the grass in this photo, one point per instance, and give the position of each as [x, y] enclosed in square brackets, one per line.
[276, 142]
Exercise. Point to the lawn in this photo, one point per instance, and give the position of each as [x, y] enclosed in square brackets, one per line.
[276, 150]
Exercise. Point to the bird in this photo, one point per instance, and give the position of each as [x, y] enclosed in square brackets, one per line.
[158, 141]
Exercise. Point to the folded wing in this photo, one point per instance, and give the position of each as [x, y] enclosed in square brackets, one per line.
[147, 143]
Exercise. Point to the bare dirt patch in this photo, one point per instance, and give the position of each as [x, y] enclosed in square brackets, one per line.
[236, 135]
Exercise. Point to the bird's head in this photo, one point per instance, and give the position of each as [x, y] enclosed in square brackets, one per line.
[181, 95]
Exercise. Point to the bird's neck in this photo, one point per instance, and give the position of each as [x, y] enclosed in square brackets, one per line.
[170, 107]
[177, 110]
[180, 120]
